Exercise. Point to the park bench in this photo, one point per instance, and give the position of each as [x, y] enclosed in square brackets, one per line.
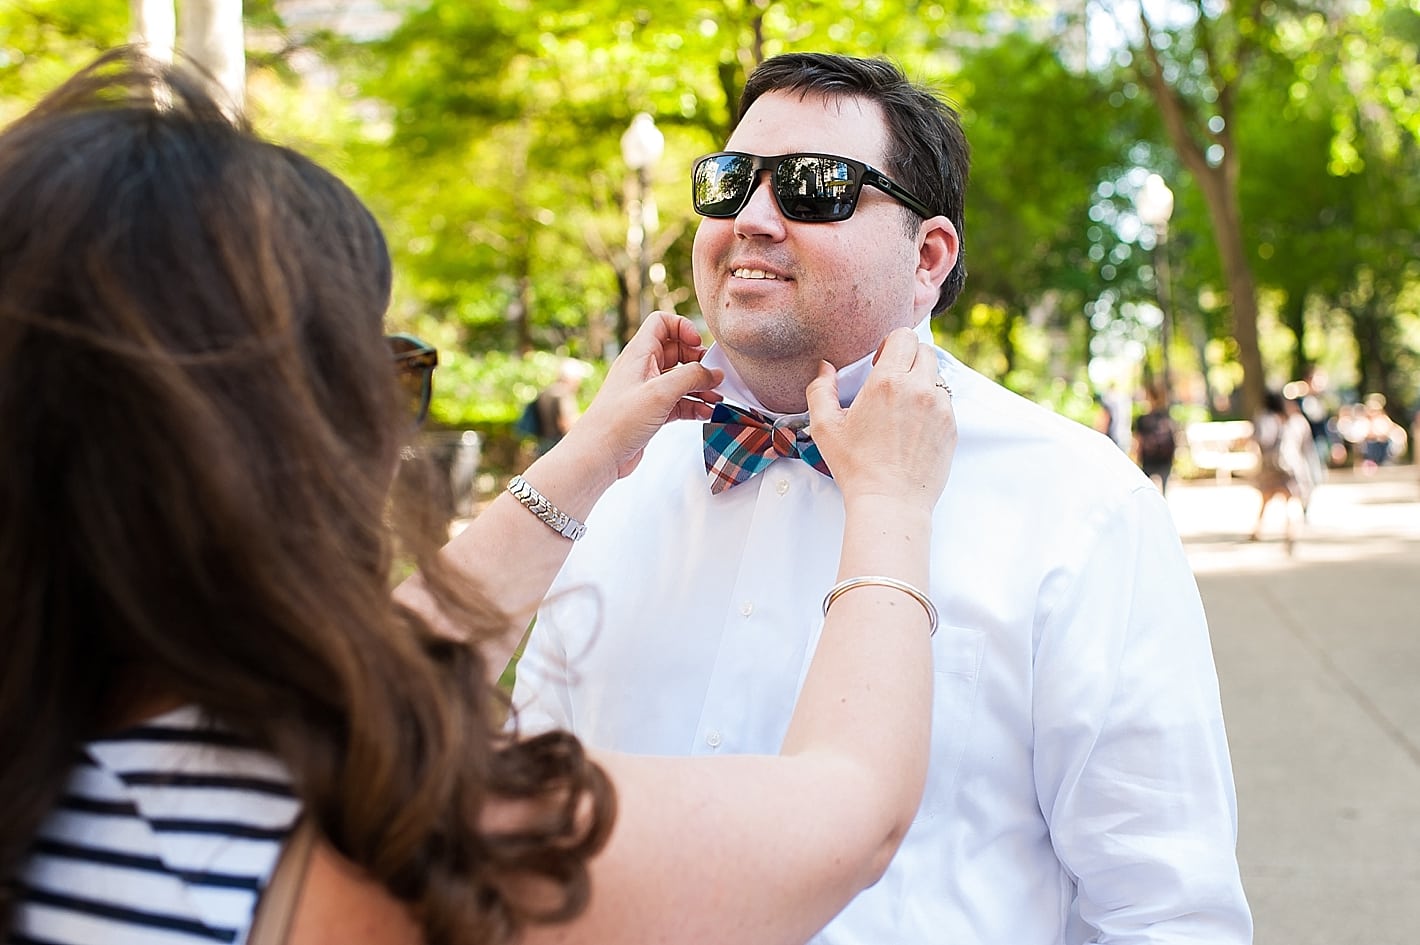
[1223, 446]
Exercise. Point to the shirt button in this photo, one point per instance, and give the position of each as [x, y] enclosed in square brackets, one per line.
[746, 608]
[714, 738]
[782, 486]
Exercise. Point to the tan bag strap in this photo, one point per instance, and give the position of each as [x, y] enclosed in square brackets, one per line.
[278, 900]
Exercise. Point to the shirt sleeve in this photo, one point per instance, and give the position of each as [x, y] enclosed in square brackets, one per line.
[1131, 762]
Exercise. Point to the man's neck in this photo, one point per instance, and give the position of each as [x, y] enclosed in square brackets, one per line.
[779, 387]
[772, 392]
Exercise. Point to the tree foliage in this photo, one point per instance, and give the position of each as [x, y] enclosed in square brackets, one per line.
[485, 135]
[43, 41]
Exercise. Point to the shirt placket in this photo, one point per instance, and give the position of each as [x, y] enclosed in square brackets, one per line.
[771, 617]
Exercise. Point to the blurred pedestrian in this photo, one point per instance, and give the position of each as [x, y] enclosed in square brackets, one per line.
[1102, 420]
[1415, 435]
[558, 404]
[1308, 393]
[1156, 439]
[1282, 436]
[1121, 412]
[1382, 437]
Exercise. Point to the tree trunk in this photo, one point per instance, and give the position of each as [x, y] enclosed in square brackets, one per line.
[1294, 312]
[154, 26]
[210, 34]
[522, 305]
[1375, 373]
[1222, 199]
[629, 295]
[1218, 181]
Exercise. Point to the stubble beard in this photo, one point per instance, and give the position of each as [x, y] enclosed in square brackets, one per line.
[775, 355]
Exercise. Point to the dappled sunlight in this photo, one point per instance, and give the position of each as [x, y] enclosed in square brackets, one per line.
[1240, 555]
[1352, 518]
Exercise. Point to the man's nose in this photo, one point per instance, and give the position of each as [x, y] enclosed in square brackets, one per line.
[760, 215]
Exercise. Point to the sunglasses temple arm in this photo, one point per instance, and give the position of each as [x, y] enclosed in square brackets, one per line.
[901, 194]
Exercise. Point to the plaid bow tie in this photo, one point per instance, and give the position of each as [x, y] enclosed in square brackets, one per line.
[741, 442]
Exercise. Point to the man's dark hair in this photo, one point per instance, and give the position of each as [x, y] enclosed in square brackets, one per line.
[927, 149]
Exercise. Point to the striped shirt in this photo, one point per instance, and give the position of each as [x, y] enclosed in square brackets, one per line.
[165, 835]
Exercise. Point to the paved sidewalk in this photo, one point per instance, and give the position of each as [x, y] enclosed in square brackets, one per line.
[1319, 659]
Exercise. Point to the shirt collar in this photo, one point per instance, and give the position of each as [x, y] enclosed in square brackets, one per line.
[850, 378]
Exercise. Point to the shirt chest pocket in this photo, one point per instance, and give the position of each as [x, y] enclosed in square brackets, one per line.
[957, 654]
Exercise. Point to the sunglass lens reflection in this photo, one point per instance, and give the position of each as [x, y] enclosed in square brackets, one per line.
[815, 188]
[722, 184]
[809, 188]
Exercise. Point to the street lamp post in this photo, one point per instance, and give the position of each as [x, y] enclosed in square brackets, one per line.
[1154, 204]
[642, 145]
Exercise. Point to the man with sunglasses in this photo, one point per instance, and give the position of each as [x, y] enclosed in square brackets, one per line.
[1080, 788]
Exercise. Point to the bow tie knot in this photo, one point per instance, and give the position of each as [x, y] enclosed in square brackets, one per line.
[741, 442]
[785, 441]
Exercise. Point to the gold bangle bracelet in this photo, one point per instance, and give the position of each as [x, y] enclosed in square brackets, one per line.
[842, 587]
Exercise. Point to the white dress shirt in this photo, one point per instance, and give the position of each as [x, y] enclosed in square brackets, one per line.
[1079, 788]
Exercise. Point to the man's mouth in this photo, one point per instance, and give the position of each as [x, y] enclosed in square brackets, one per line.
[753, 274]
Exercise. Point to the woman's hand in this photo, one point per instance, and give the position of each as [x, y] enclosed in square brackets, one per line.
[642, 392]
[898, 437]
[645, 388]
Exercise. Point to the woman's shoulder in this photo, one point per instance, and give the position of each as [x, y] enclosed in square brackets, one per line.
[171, 826]
[184, 758]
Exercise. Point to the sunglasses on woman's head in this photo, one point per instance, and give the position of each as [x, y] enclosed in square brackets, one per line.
[810, 188]
[414, 363]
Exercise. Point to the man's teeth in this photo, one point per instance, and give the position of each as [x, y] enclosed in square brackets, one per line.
[754, 274]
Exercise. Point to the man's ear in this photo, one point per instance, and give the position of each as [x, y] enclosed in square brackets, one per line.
[936, 256]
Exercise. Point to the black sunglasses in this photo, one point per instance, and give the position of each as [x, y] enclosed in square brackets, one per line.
[810, 188]
[414, 363]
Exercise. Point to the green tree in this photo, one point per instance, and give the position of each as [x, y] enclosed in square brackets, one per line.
[1334, 200]
[495, 161]
[485, 135]
[1194, 71]
[1226, 65]
[1041, 145]
[42, 42]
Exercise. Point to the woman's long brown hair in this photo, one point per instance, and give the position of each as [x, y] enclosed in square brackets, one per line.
[199, 425]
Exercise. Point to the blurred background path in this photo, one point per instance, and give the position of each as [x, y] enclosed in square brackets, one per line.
[1319, 660]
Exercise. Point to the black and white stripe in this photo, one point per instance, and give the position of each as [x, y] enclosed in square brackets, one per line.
[166, 834]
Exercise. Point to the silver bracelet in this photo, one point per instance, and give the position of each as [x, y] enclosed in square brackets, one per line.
[555, 519]
[842, 587]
